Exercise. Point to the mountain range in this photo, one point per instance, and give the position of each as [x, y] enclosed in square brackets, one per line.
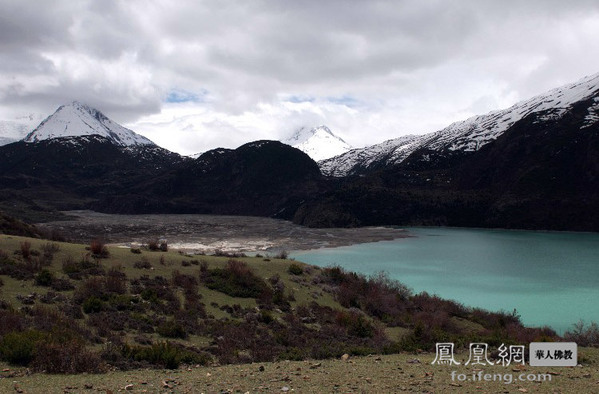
[534, 165]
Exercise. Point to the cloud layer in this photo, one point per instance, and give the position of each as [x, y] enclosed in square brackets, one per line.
[194, 75]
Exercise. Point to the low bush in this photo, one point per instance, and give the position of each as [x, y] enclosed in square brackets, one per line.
[295, 269]
[68, 357]
[25, 250]
[236, 280]
[158, 245]
[92, 304]
[98, 248]
[61, 285]
[171, 329]
[142, 264]
[18, 347]
[164, 354]
[44, 278]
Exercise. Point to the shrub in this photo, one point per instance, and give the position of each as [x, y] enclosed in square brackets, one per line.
[26, 250]
[283, 254]
[142, 264]
[68, 357]
[92, 304]
[49, 249]
[163, 245]
[44, 278]
[236, 280]
[135, 250]
[164, 354]
[156, 245]
[356, 324]
[81, 269]
[295, 269]
[98, 248]
[18, 347]
[584, 335]
[171, 329]
[61, 285]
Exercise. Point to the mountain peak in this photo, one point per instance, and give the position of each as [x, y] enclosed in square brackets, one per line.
[78, 119]
[319, 142]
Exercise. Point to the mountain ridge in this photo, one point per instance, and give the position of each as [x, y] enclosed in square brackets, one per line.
[471, 134]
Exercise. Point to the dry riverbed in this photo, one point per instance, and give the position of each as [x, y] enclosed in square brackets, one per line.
[207, 233]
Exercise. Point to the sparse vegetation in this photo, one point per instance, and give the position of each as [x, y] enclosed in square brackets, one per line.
[118, 311]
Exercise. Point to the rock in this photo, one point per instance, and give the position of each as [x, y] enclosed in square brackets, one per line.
[285, 389]
[314, 366]
[88, 386]
[129, 387]
[414, 361]
[345, 357]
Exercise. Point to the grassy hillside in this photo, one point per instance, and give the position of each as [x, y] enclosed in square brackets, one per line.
[69, 308]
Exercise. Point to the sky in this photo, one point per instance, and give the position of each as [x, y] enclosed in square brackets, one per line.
[196, 75]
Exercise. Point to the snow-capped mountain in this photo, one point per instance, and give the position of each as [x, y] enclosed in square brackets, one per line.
[76, 119]
[319, 143]
[473, 133]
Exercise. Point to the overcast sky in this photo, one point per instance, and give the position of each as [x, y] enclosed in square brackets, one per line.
[195, 75]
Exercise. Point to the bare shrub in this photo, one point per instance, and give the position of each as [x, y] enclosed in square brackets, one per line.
[583, 334]
[98, 248]
[68, 357]
[26, 250]
[153, 245]
[142, 264]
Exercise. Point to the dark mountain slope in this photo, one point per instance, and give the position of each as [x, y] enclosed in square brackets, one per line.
[542, 173]
[69, 172]
[265, 178]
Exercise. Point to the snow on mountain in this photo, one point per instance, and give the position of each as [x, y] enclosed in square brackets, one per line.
[319, 143]
[473, 133]
[76, 119]
[394, 150]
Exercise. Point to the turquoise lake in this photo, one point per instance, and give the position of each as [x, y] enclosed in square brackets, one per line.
[550, 278]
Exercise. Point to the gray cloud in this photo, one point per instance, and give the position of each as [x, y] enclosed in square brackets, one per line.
[412, 65]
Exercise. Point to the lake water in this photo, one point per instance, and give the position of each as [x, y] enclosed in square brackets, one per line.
[550, 278]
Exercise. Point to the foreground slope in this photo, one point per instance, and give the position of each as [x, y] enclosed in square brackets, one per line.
[70, 308]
